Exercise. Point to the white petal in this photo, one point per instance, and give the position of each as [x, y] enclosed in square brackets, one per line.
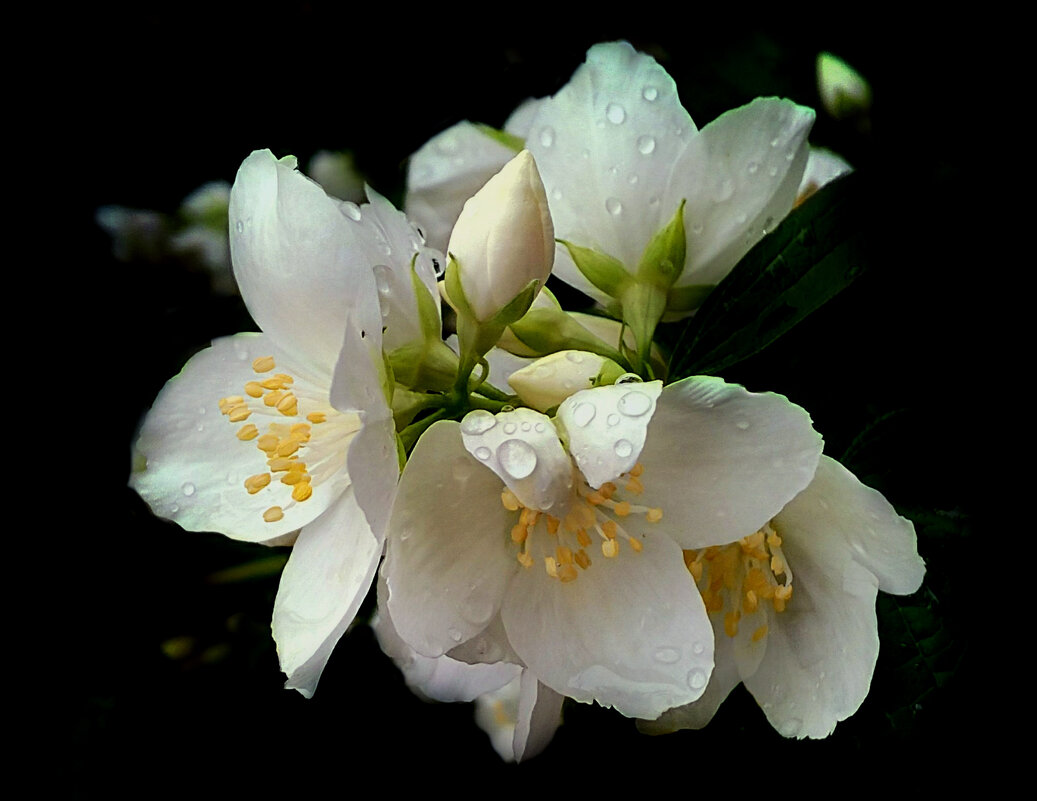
[523, 449]
[837, 504]
[605, 146]
[539, 716]
[447, 170]
[739, 177]
[630, 632]
[821, 650]
[607, 426]
[327, 576]
[298, 259]
[721, 461]
[521, 119]
[823, 166]
[439, 678]
[191, 467]
[698, 713]
[448, 561]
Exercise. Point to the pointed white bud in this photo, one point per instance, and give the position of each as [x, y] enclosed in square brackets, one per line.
[504, 238]
[548, 381]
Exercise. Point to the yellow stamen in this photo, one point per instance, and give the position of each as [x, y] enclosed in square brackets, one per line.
[247, 432]
[302, 491]
[239, 413]
[273, 397]
[316, 417]
[264, 364]
[654, 515]
[551, 566]
[273, 514]
[636, 544]
[759, 634]
[255, 483]
[254, 389]
[622, 508]
[581, 558]
[288, 405]
[610, 548]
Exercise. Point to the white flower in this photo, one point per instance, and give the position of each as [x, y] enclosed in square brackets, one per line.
[793, 606]
[618, 154]
[503, 239]
[559, 541]
[246, 440]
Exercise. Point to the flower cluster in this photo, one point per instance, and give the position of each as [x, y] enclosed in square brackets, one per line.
[552, 519]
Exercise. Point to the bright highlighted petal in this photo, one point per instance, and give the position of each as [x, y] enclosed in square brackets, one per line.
[630, 633]
[327, 576]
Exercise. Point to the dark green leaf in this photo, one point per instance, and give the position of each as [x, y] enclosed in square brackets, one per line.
[813, 255]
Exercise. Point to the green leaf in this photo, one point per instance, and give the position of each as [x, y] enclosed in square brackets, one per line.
[816, 252]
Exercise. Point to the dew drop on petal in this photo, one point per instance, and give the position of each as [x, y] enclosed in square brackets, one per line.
[623, 448]
[724, 190]
[634, 404]
[556, 194]
[612, 419]
[696, 678]
[698, 648]
[773, 171]
[188, 489]
[742, 217]
[775, 141]
[455, 635]
[482, 453]
[650, 93]
[351, 210]
[547, 136]
[645, 145]
[574, 356]
[478, 422]
[742, 424]
[517, 458]
[539, 428]
[240, 227]
[629, 378]
[615, 113]
[613, 206]
[753, 167]
[583, 413]
[791, 155]
[697, 228]
[525, 427]
[509, 428]
[666, 655]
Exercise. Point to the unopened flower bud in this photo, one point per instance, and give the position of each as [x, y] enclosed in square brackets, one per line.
[503, 240]
[548, 381]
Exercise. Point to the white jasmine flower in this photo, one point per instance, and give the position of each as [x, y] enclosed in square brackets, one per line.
[559, 541]
[619, 155]
[793, 606]
[246, 440]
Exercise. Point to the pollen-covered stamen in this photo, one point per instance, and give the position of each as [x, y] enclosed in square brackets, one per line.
[285, 447]
[564, 540]
[736, 580]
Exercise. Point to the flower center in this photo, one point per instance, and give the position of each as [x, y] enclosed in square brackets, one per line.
[291, 445]
[743, 577]
[563, 541]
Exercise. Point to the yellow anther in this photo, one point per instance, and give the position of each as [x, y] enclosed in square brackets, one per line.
[529, 517]
[287, 447]
[777, 565]
[551, 566]
[607, 490]
[695, 568]
[253, 389]
[288, 405]
[610, 548]
[637, 470]
[609, 529]
[567, 573]
[293, 477]
[783, 592]
[273, 514]
[264, 364]
[272, 398]
[302, 491]
[622, 508]
[519, 533]
[279, 381]
[524, 559]
[750, 602]
[654, 515]
[268, 443]
[731, 623]
[239, 413]
[774, 540]
[595, 498]
[635, 486]
[280, 465]
[564, 555]
[552, 524]
[300, 429]
[509, 500]
[583, 537]
[228, 403]
[581, 558]
[255, 483]
[637, 545]
[316, 417]
[248, 432]
[759, 634]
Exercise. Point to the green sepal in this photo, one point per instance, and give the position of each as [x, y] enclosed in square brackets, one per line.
[424, 365]
[663, 260]
[609, 373]
[687, 298]
[606, 272]
[516, 307]
[509, 140]
[428, 308]
[454, 290]
[643, 307]
[547, 331]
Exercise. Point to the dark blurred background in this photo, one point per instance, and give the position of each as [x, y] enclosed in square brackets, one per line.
[165, 680]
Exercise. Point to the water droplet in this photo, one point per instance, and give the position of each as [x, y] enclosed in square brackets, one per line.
[547, 136]
[613, 206]
[775, 141]
[556, 194]
[698, 648]
[455, 635]
[613, 170]
[753, 167]
[629, 378]
[188, 489]
[201, 427]
[742, 424]
[525, 427]
[612, 419]
[615, 113]
[634, 404]
[585, 153]
[240, 226]
[646, 145]
[697, 228]
[632, 180]
[517, 458]
[742, 217]
[667, 655]
[623, 448]
[790, 155]
[462, 469]
[482, 453]
[478, 422]
[539, 428]
[351, 210]
[653, 201]
[724, 190]
[696, 678]
[772, 171]
[650, 93]
[510, 428]
[174, 509]
[583, 413]
[574, 356]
